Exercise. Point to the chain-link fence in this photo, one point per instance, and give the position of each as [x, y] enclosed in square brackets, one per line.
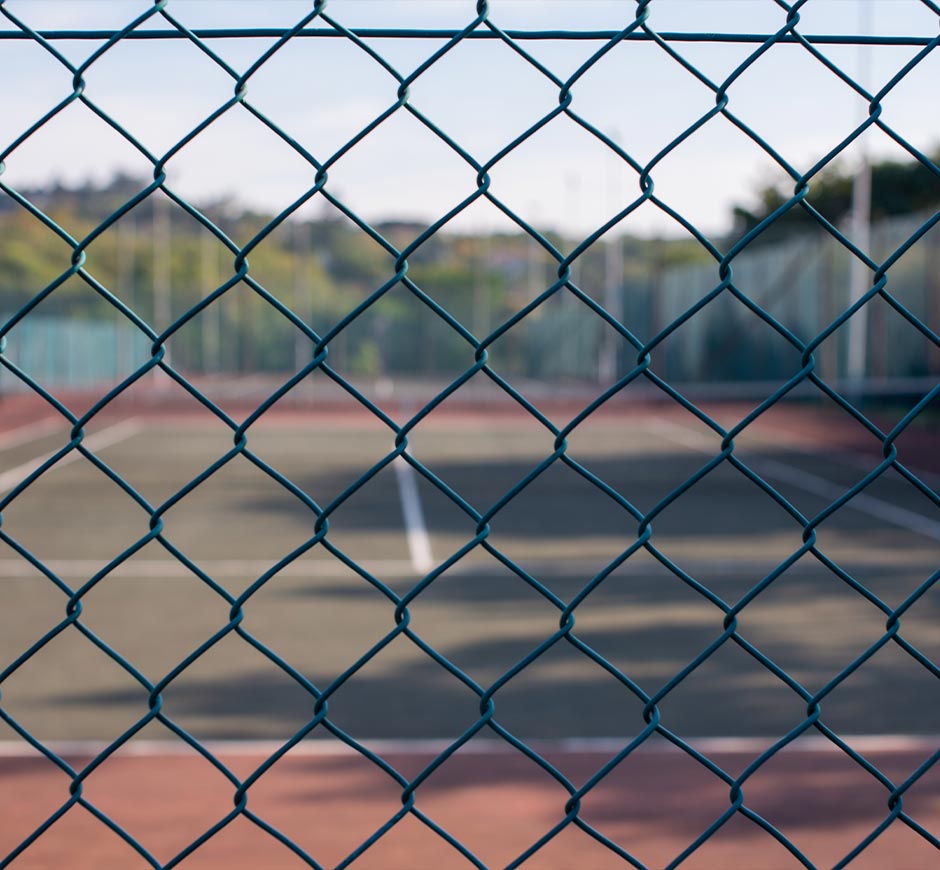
[638, 337]
[803, 281]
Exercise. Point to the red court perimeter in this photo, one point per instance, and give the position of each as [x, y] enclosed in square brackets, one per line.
[497, 804]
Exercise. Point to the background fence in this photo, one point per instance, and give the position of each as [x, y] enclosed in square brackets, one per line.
[802, 282]
[69, 354]
[139, 285]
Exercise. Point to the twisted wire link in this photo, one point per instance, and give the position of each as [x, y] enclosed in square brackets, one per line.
[157, 22]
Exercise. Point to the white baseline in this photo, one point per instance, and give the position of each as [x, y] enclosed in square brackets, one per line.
[29, 432]
[607, 746]
[910, 520]
[98, 441]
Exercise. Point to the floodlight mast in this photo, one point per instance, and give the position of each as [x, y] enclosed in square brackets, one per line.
[860, 276]
[613, 278]
[162, 278]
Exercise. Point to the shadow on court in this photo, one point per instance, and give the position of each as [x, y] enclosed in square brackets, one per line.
[651, 627]
[645, 626]
[561, 501]
[723, 517]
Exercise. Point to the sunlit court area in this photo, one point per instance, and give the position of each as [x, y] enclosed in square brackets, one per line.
[244, 539]
[470, 435]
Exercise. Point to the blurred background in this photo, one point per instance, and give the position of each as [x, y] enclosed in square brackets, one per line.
[647, 269]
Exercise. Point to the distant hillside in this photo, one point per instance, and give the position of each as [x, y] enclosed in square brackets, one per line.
[320, 269]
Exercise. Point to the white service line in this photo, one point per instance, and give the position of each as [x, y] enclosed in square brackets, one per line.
[811, 483]
[171, 569]
[607, 746]
[867, 461]
[98, 441]
[867, 504]
[30, 431]
[419, 543]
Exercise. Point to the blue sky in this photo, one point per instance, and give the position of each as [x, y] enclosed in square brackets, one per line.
[482, 94]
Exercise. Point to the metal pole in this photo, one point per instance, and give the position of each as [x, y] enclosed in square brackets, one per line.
[571, 349]
[481, 296]
[303, 291]
[932, 295]
[211, 336]
[127, 231]
[860, 275]
[534, 278]
[613, 281]
[162, 307]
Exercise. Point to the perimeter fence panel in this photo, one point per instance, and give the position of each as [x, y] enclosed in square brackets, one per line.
[73, 354]
[801, 322]
[800, 282]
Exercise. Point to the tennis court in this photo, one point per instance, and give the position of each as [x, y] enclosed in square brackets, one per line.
[320, 616]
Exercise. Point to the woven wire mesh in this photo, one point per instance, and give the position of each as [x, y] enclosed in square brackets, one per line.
[160, 23]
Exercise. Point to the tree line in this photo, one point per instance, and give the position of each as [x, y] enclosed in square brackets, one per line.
[162, 263]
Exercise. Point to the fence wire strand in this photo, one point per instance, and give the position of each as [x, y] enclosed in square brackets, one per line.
[159, 23]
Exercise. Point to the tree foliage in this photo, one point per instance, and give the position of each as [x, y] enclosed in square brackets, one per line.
[897, 188]
[321, 269]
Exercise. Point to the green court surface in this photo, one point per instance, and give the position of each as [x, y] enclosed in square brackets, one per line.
[320, 616]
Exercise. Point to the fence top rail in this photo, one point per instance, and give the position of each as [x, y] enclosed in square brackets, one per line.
[441, 33]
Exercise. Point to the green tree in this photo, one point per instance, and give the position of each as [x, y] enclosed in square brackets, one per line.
[897, 188]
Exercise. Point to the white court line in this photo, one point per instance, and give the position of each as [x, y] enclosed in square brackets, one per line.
[29, 431]
[98, 441]
[875, 507]
[862, 502]
[171, 569]
[419, 543]
[866, 462]
[607, 746]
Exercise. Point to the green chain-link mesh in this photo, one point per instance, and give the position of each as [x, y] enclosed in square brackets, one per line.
[159, 23]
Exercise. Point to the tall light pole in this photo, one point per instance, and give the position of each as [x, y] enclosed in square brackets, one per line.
[303, 291]
[613, 280]
[162, 309]
[481, 293]
[613, 304]
[569, 303]
[126, 242]
[162, 306]
[209, 318]
[860, 275]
